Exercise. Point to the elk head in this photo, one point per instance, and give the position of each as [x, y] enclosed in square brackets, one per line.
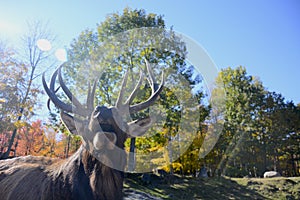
[104, 129]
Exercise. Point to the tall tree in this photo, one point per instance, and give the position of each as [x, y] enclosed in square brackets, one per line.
[260, 128]
[279, 138]
[33, 57]
[12, 86]
[121, 43]
[244, 95]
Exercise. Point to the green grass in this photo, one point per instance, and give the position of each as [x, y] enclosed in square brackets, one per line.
[274, 188]
[219, 188]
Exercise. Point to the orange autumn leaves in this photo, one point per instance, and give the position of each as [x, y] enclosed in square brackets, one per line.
[39, 140]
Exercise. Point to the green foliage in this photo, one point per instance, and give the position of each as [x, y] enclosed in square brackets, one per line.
[9, 83]
[260, 128]
[129, 19]
[13, 83]
[121, 43]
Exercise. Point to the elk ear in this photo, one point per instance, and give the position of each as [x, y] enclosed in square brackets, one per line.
[139, 127]
[75, 127]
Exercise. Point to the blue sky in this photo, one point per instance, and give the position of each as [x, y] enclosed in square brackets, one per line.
[263, 36]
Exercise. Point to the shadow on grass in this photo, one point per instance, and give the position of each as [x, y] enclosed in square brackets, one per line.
[194, 188]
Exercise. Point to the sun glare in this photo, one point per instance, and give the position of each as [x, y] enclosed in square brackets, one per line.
[44, 45]
[61, 55]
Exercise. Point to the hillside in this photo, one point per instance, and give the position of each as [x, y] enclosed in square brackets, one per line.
[218, 188]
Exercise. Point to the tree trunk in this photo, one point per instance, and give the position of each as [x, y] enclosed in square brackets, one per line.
[6, 154]
[11, 141]
[68, 146]
[131, 163]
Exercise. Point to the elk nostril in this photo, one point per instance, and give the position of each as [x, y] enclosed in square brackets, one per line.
[104, 140]
[112, 137]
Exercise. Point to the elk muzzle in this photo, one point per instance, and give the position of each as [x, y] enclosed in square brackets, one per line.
[105, 140]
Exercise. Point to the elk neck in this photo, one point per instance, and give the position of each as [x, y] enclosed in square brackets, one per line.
[90, 179]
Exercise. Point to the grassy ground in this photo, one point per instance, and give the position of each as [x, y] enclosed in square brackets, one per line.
[219, 188]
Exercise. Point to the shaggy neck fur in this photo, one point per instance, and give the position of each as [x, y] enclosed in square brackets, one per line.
[80, 177]
[89, 178]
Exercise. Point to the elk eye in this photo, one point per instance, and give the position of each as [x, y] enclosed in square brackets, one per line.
[97, 109]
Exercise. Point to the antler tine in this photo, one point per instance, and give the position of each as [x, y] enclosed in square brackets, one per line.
[52, 82]
[51, 93]
[88, 95]
[133, 93]
[151, 100]
[48, 102]
[121, 94]
[91, 96]
[72, 98]
[151, 78]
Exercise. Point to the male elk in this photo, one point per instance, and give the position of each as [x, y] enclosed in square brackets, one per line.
[82, 176]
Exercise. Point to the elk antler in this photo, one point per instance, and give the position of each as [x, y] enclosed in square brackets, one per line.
[77, 108]
[155, 91]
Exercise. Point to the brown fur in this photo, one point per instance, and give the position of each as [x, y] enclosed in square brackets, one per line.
[79, 177]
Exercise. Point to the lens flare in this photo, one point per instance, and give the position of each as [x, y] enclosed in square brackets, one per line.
[61, 55]
[44, 45]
